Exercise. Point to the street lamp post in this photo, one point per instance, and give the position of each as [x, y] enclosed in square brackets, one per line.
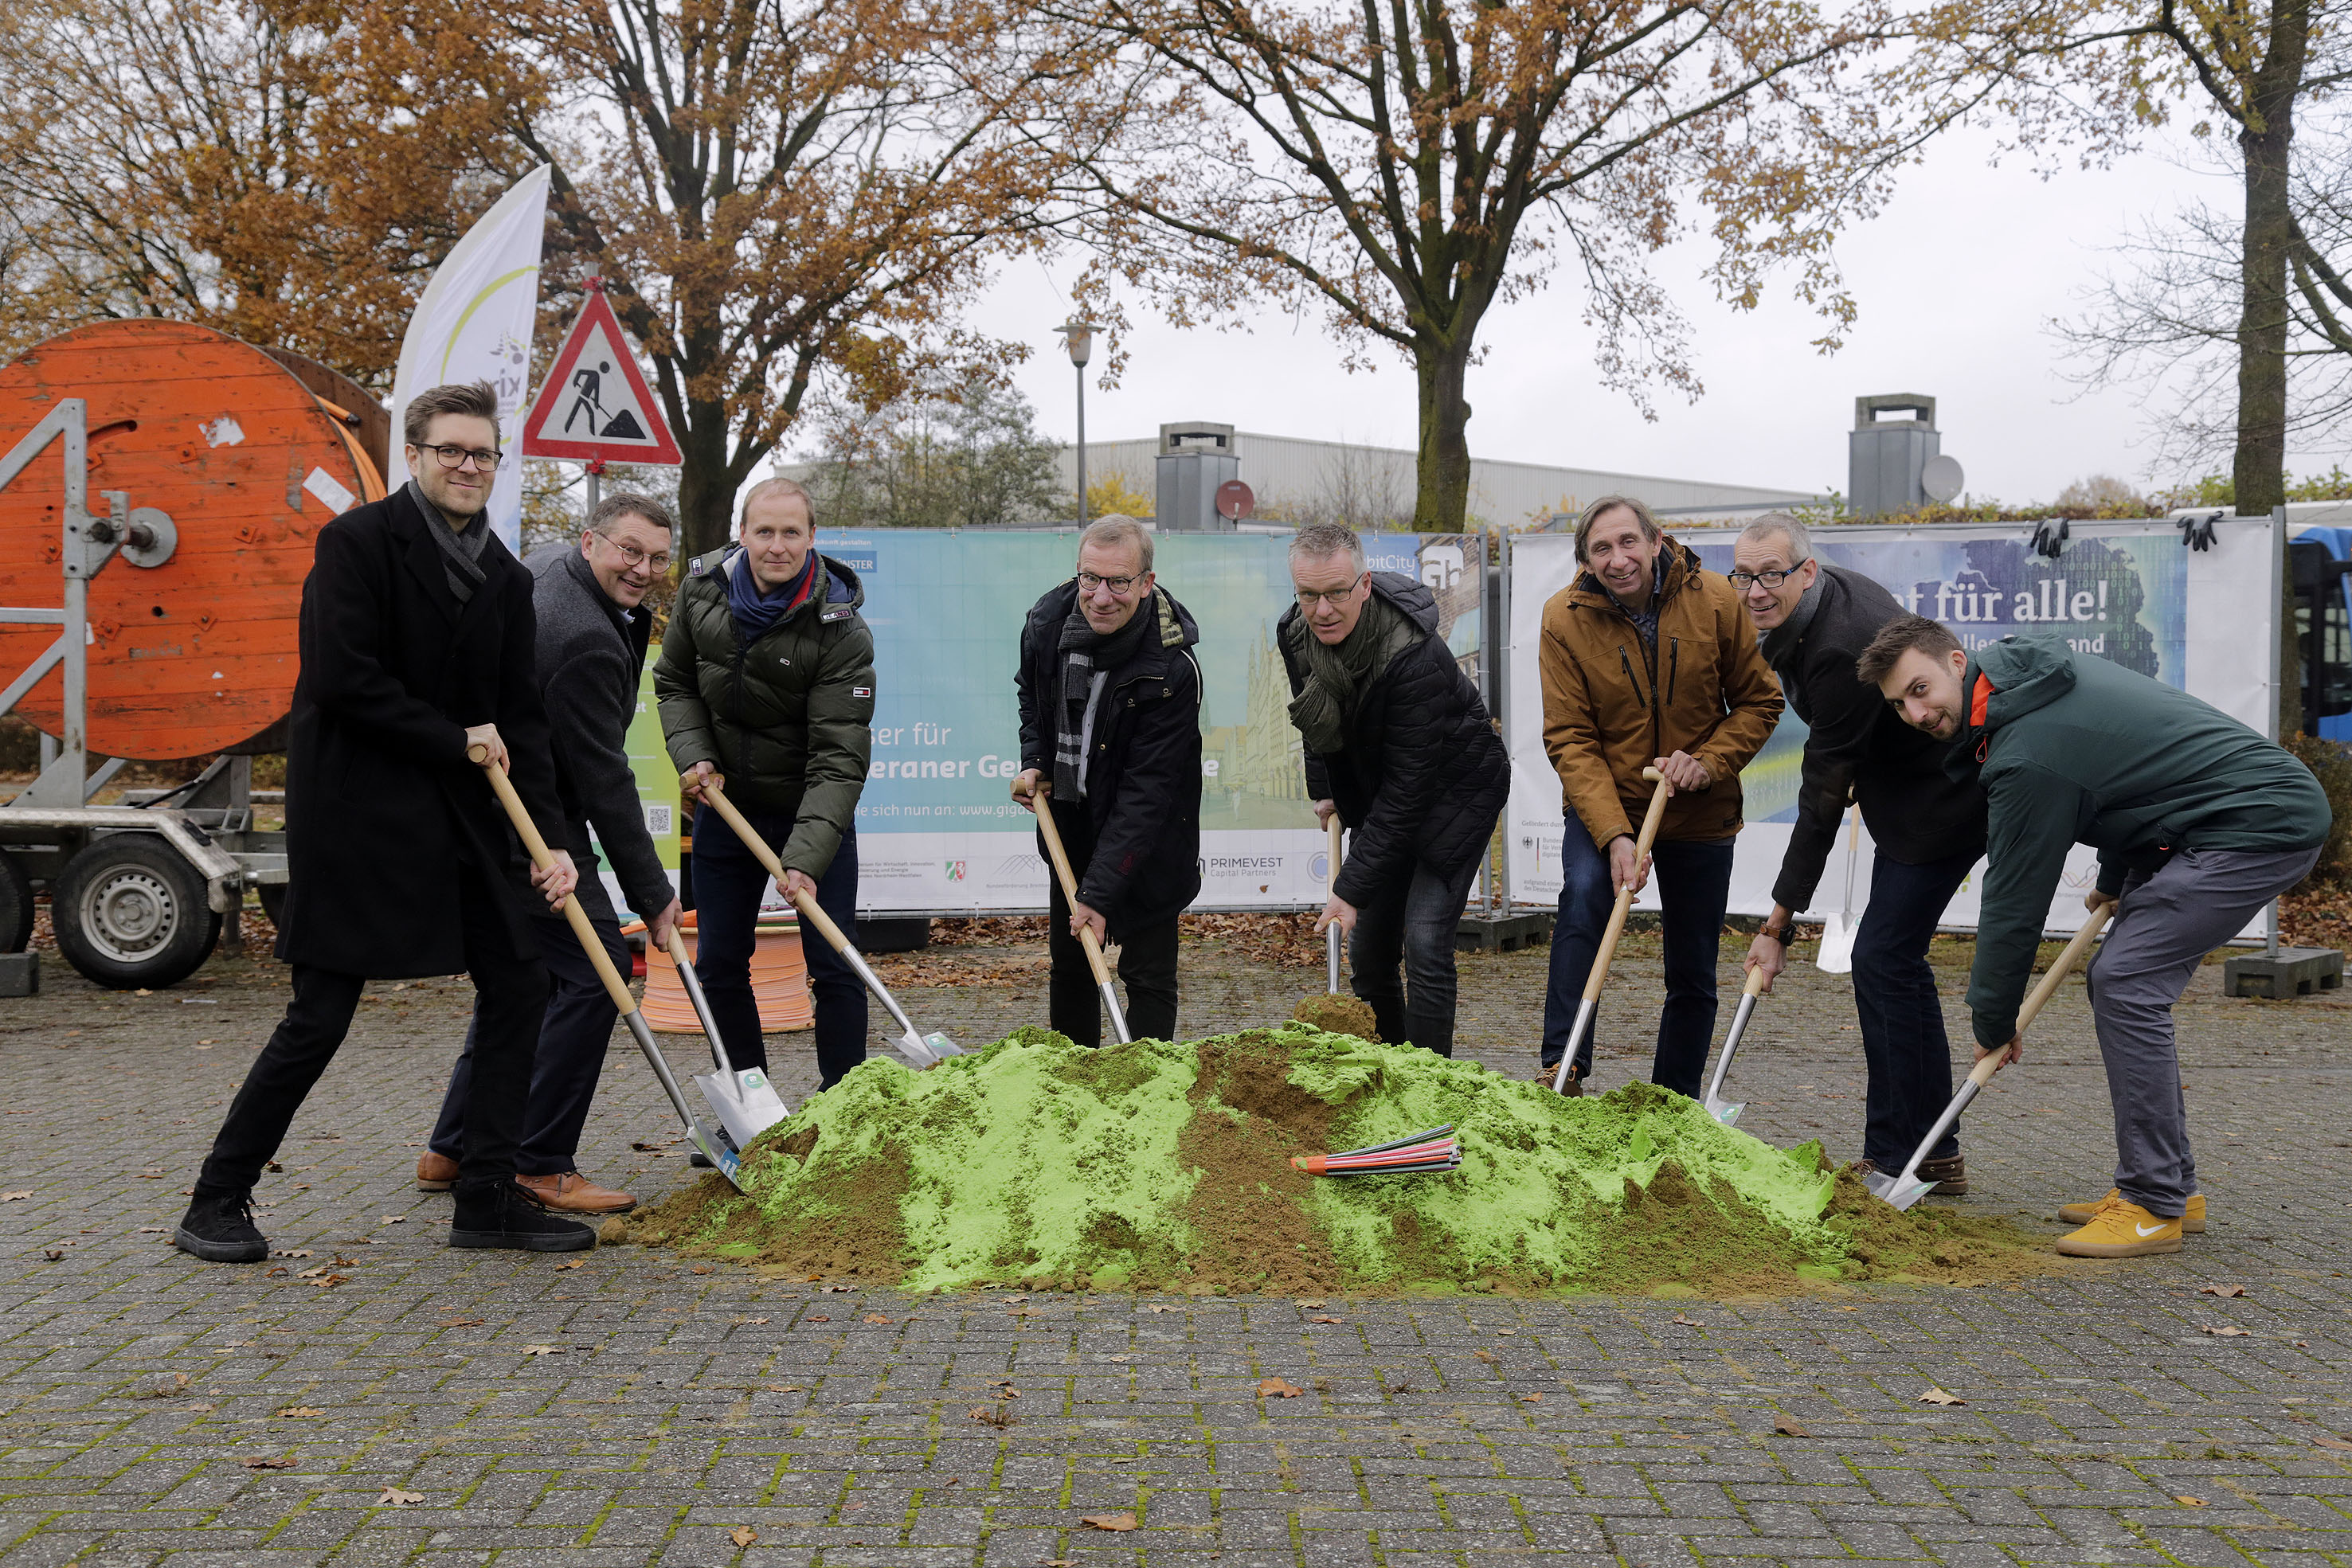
[1079, 338]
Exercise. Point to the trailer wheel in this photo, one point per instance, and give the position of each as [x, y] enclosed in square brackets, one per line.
[15, 906]
[130, 912]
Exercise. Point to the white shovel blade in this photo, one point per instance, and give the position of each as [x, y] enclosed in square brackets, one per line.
[1896, 1191]
[917, 1050]
[746, 1104]
[1836, 954]
[1725, 1111]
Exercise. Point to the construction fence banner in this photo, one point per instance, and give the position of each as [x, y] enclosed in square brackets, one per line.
[2205, 621]
[937, 828]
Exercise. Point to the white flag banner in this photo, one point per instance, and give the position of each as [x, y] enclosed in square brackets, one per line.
[475, 323]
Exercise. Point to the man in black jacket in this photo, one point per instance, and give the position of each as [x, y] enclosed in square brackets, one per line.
[1110, 730]
[1927, 830]
[1399, 746]
[593, 626]
[416, 636]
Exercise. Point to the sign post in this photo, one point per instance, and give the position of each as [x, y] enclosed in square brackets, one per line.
[594, 406]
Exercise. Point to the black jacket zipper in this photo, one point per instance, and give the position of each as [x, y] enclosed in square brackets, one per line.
[1673, 663]
[1631, 679]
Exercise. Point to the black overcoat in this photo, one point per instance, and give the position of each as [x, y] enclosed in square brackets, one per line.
[380, 801]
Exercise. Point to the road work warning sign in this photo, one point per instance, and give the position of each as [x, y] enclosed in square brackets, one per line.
[594, 404]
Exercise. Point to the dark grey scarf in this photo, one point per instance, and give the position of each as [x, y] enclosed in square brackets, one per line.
[1087, 661]
[1779, 645]
[461, 548]
[1340, 674]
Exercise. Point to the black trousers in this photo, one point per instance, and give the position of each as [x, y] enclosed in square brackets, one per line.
[1147, 957]
[728, 886]
[510, 996]
[572, 1035]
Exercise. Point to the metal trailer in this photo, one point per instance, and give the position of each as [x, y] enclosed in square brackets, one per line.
[138, 894]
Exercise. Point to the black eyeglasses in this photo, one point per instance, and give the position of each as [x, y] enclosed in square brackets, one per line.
[1744, 580]
[455, 456]
[1308, 598]
[1120, 587]
[632, 555]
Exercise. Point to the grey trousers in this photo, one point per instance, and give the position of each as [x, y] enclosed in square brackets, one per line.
[2164, 927]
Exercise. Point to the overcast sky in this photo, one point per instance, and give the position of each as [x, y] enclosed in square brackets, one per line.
[1959, 282]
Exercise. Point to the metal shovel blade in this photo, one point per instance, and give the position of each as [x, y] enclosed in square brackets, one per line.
[1836, 954]
[927, 1050]
[1901, 1190]
[745, 1102]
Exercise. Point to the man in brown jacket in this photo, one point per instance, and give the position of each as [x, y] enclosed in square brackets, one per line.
[1648, 661]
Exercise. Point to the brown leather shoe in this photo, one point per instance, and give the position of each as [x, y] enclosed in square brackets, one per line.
[1950, 1176]
[571, 1193]
[436, 1173]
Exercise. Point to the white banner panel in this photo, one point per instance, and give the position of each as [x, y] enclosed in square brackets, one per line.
[2205, 621]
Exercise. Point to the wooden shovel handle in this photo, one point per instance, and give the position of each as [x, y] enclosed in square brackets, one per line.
[1061, 858]
[809, 909]
[2047, 986]
[541, 857]
[1607, 951]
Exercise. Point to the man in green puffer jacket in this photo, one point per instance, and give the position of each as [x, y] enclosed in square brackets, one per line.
[766, 684]
[2199, 822]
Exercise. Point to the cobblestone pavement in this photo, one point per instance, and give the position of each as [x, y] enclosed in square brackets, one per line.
[418, 1406]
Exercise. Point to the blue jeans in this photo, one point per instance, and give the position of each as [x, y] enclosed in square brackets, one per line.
[1411, 925]
[573, 1034]
[1902, 1039]
[728, 885]
[1694, 886]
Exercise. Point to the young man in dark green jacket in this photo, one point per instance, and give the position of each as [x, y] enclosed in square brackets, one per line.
[2199, 822]
[766, 684]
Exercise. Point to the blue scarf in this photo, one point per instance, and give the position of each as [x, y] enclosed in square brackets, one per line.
[756, 612]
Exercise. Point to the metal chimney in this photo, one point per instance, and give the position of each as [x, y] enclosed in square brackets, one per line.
[1885, 457]
[1195, 457]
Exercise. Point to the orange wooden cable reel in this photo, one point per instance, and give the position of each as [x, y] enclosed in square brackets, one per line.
[780, 983]
[198, 654]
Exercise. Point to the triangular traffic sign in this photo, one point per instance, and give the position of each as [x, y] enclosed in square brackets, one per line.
[594, 404]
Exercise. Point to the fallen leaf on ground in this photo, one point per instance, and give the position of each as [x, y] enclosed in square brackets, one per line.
[1110, 1521]
[1308, 1304]
[542, 1350]
[395, 1498]
[2339, 1445]
[1789, 1429]
[13, 1197]
[1326, 1320]
[751, 1319]
[460, 1323]
[875, 1318]
[1006, 1390]
[1935, 1395]
[704, 1267]
[575, 1263]
[1688, 1322]
[393, 1219]
[284, 1252]
[2191, 1502]
[1487, 1356]
[1530, 1399]
[743, 1535]
[2220, 1290]
[166, 1388]
[53, 1254]
[1160, 1307]
[819, 1318]
[1275, 1388]
[283, 1462]
[843, 1290]
[312, 1273]
[326, 1282]
[2223, 1331]
[784, 1388]
[993, 1415]
[1058, 1562]
[301, 1410]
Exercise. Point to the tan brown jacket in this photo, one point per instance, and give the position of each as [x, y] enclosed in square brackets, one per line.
[1612, 705]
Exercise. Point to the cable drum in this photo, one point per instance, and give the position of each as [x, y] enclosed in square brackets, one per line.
[198, 654]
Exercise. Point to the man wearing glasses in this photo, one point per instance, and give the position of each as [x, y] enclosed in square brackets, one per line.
[1110, 732]
[593, 626]
[1927, 829]
[1399, 746]
[416, 646]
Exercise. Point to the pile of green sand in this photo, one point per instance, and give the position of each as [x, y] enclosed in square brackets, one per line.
[1166, 1166]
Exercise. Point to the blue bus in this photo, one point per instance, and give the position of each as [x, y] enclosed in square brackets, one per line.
[2319, 566]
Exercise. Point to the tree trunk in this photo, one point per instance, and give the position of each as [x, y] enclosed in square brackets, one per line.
[706, 484]
[1442, 498]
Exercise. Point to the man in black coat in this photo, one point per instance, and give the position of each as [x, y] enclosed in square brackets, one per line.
[415, 637]
[1399, 746]
[1110, 730]
[1926, 827]
[589, 600]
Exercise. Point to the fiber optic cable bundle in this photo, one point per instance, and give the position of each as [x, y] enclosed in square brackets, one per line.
[1433, 1151]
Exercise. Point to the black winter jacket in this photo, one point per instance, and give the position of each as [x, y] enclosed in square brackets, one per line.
[1917, 811]
[1143, 781]
[381, 803]
[1425, 774]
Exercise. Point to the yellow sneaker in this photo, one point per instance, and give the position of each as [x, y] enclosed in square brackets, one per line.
[2122, 1229]
[2191, 1223]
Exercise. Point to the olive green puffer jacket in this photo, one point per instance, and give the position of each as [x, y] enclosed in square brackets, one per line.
[784, 720]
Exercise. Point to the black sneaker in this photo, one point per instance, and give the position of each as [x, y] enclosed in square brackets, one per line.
[501, 1214]
[219, 1229]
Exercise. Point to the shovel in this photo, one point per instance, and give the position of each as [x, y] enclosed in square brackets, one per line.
[713, 1150]
[1907, 1189]
[1332, 931]
[745, 1102]
[1724, 1110]
[1613, 930]
[1835, 954]
[922, 1050]
[1070, 891]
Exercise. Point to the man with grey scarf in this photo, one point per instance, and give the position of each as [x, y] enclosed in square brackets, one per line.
[1399, 748]
[1927, 829]
[1110, 730]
